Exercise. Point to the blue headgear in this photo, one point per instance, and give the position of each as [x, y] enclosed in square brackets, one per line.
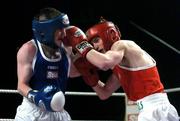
[44, 30]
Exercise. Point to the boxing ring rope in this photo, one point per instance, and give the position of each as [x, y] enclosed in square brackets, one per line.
[155, 37]
[66, 93]
[80, 94]
[87, 93]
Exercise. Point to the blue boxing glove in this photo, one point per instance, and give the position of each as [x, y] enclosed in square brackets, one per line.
[48, 99]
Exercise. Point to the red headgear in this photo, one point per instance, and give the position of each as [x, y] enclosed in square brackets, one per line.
[106, 30]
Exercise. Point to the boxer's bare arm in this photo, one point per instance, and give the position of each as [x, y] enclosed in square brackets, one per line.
[24, 67]
[105, 90]
[109, 59]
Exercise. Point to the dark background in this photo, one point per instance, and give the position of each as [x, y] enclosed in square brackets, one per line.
[160, 17]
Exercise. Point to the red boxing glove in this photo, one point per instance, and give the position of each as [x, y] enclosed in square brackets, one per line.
[76, 38]
[88, 71]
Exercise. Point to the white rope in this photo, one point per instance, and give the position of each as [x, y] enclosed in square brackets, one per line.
[87, 93]
[91, 94]
[6, 119]
[173, 90]
[8, 91]
[72, 120]
[66, 93]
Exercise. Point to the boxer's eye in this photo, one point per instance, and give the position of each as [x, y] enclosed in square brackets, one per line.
[95, 40]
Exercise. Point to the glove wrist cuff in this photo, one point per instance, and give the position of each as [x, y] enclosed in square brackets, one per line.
[31, 95]
[83, 48]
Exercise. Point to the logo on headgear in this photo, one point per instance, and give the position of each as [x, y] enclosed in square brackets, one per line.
[65, 20]
[79, 33]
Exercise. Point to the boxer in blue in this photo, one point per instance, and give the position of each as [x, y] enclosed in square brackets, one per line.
[43, 68]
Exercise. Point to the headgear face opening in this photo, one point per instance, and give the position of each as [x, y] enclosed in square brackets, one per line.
[44, 30]
[107, 31]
